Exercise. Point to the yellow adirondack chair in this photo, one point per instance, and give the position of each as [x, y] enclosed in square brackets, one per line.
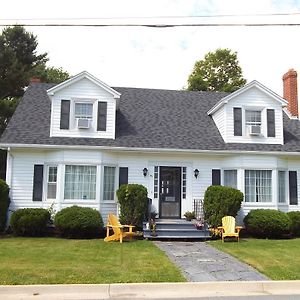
[119, 231]
[229, 229]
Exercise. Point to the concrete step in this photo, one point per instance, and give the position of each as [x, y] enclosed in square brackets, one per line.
[176, 229]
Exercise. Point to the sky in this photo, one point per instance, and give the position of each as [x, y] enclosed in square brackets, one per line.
[162, 58]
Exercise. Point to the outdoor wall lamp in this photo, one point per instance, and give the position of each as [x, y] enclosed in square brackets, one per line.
[145, 172]
[196, 173]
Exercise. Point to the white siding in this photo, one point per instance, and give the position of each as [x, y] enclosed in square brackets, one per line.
[87, 90]
[219, 118]
[253, 98]
[23, 161]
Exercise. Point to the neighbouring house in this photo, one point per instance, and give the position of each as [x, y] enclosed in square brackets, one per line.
[74, 143]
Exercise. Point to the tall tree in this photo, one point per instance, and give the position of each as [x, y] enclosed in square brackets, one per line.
[19, 62]
[218, 71]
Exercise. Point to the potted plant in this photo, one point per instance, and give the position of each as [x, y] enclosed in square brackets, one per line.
[189, 215]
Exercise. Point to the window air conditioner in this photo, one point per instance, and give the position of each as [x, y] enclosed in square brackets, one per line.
[83, 123]
[255, 130]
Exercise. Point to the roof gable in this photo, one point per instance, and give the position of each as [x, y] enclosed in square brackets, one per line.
[247, 87]
[80, 76]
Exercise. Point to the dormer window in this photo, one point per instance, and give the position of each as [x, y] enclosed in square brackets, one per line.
[83, 114]
[253, 122]
[84, 110]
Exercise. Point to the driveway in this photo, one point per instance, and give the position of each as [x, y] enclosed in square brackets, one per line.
[201, 262]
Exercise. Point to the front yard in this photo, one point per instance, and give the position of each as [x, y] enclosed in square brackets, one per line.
[53, 260]
[277, 259]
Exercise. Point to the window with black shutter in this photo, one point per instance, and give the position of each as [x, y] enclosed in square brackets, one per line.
[216, 177]
[65, 114]
[123, 175]
[102, 116]
[38, 183]
[271, 122]
[293, 187]
[237, 119]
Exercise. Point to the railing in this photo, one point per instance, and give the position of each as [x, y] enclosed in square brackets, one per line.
[198, 209]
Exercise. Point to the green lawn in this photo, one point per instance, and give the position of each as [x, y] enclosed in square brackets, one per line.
[53, 260]
[278, 259]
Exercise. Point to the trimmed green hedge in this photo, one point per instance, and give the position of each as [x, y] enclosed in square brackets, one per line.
[295, 219]
[79, 222]
[30, 221]
[4, 204]
[133, 199]
[267, 223]
[220, 201]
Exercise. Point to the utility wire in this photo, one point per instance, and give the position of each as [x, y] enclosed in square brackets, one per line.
[154, 25]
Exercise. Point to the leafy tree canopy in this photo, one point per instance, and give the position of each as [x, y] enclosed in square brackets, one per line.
[218, 71]
[19, 62]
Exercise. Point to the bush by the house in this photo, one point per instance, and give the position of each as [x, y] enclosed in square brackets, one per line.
[220, 201]
[267, 223]
[30, 221]
[79, 222]
[4, 204]
[295, 219]
[133, 201]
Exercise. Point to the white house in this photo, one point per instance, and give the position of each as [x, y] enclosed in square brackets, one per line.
[74, 143]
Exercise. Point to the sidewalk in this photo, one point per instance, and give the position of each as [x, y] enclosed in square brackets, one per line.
[149, 290]
[201, 262]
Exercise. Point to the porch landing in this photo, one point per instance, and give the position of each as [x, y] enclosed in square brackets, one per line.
[176, 229]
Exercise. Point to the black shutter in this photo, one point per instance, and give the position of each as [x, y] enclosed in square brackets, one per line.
[237, 120]
[293, 187]
[123, 175]
[102, 114]
[216, 177]
[38, 183]
[65, 114]
[271, 122]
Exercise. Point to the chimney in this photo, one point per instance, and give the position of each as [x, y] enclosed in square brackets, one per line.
[35, 80]
[290, 92]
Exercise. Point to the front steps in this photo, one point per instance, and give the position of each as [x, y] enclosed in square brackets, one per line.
[175, 229]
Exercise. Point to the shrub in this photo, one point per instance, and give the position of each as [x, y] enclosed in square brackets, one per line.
[267, 223]
[30, 221]
[295, 219]
[190, 215]
[4, 204]
[220, 201]
[133, 201]
[79, 222]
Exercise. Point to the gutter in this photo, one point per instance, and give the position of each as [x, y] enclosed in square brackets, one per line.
[150, 150]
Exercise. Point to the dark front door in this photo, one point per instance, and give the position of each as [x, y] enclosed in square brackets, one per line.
[170, 192]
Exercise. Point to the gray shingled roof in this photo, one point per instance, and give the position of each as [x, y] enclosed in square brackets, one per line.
[147, 118]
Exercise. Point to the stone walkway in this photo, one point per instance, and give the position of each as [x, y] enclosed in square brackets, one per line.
[201, 262]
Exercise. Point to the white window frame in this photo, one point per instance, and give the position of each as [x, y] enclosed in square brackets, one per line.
[261, 124]
[47, 181]
[223, 176]
[254, 203]
[115, 183]
[73, 117]
[64, 183]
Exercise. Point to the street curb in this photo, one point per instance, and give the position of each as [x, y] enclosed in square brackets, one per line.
[150, 290]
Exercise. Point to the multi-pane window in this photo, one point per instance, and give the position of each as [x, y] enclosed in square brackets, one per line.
[51, 182]
[109, 183]
[183, 182]
[84, 110]
[80, 182]
[156, 182]
[230, 178]
[281, 187]
[253, 117]
[258, 186]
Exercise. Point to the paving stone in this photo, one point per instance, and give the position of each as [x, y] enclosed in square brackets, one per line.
[201, 262]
